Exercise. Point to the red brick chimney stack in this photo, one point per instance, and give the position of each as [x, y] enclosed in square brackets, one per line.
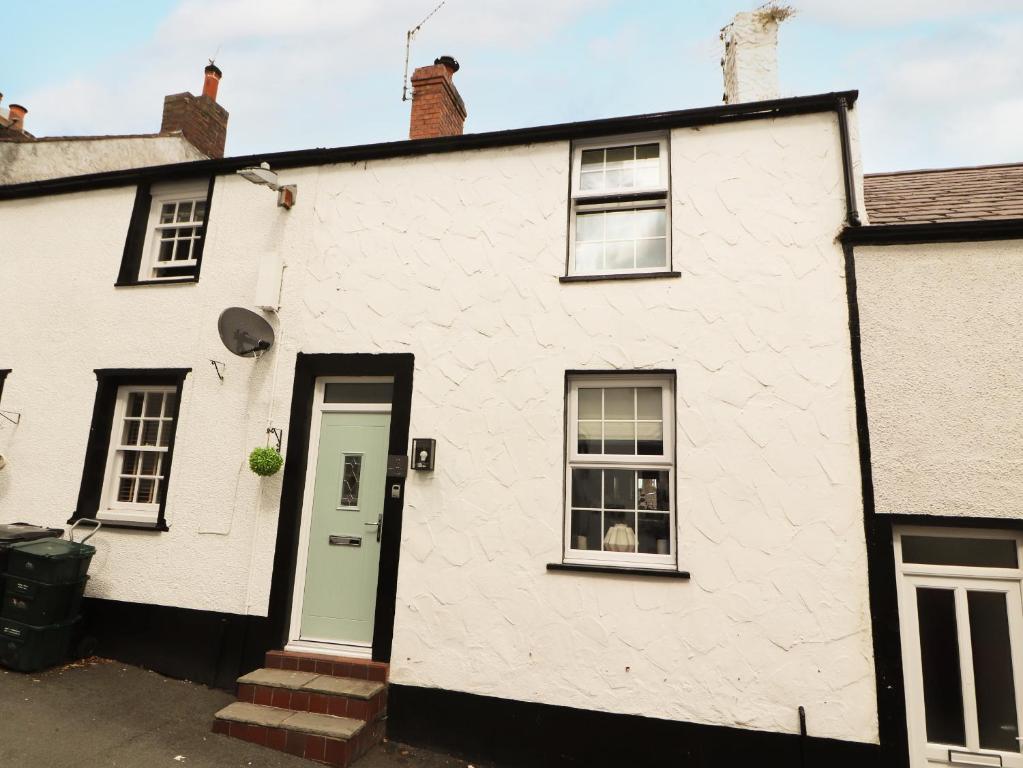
[200, 119]
[437, 108]
[17, 117]
[212, 81]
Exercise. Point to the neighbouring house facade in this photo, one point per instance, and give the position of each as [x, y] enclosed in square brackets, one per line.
[192, 128]
[574, 419]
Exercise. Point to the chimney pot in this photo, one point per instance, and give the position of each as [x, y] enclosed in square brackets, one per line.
[17, 115]
[437, 107]
[212, 81]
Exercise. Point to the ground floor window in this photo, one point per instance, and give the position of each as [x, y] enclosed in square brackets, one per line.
[961, 615]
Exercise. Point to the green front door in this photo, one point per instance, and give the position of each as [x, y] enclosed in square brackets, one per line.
[339, 598]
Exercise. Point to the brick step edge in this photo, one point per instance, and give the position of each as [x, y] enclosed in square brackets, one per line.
[321, 703]
[322, 664]
[322, 749]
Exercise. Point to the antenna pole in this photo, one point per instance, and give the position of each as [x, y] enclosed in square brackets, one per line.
[408, 47]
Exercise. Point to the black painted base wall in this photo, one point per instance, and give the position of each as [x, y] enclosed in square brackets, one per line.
[516, 733]
[202, 646]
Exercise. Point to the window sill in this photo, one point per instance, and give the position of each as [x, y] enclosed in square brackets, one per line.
[618, 570]
[168, 281]
[156, 526]
[617, 276]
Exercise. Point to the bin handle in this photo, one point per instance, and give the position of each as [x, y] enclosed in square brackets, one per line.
[71, 530]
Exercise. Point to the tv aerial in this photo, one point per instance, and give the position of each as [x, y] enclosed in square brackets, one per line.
[244, 333]
[408, 47]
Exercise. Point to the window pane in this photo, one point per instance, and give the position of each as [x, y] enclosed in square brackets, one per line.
[620, 438]
[170, 399]
[620, 255]
[586, 488]
[200, 210]
[648, 402]
[589, 226]
[167, 213]
[358, 392]
[586, 531]
[135, 403]
[652, 490]
[593, 158]
[166, 431]
[350, 478]
[946, 550]
[589, 257]
[622, 179]
[939, 654]
[650, 222]
[150, 432]
[648, 151]
[589, 437]
[130, 436]
[130, 463]
[619, 531]
[654, 534]
[619, 403]
[619, 157]
[589, 403]
[992, 671]
[619, 489]
[621, 225]
[650, 438]
[146, 491]
[651, 253]
[126, 489]
[185, 211]
[154, 403]
[648, 177]
[150, 463]
[591, 181]
[166, 250]
[183, 252]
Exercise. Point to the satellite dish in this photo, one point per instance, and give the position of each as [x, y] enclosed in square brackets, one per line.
[244, 332]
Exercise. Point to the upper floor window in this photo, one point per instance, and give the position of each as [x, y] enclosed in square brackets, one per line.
[620, 211]
[620, 471]
[166, 233]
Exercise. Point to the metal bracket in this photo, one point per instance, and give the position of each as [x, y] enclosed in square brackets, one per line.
[11, 416]
[220, 368]
[277, 433]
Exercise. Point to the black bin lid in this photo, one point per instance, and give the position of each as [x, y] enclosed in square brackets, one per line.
[12, 532]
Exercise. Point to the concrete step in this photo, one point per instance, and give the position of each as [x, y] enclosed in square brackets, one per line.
[311, 692]
[328, 739]
[324, 664]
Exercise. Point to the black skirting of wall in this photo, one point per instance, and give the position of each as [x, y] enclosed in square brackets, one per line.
[517, 733]
[202, 646]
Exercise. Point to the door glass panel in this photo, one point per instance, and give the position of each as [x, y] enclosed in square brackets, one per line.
[992, 671]
[350, 477]
[939, 652]
[947, 550]
[355, 392]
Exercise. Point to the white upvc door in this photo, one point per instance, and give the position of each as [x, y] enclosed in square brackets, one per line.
[962, 645]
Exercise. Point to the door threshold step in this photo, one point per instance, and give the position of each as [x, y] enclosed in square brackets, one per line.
[328, 664]
[313, 683]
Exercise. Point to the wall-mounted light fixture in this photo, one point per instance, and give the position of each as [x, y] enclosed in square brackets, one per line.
[261, 174]
[424, 453]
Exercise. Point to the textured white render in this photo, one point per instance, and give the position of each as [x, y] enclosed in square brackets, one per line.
[22, 161]
[750, 61]
[942, 337]
[455, 258]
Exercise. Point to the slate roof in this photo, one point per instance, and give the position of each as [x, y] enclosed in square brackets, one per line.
[947, 194]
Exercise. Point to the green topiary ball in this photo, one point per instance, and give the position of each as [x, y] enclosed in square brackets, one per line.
[265, 461]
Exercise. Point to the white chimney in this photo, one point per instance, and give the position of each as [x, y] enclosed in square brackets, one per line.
[750, 62]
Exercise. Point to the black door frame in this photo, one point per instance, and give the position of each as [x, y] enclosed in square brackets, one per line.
[308, 368]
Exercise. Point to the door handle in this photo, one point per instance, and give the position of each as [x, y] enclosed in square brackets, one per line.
[379, 524]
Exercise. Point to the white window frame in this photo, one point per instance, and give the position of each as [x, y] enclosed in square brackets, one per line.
[959, 578]
[661, 463]
[110, 509]
[175, 192]
[589, 201]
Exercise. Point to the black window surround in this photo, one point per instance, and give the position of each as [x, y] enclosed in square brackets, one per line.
[3, 377]
[136, 242]
[110, 380]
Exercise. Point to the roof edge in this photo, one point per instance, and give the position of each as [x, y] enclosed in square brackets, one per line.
[934, 232]
[943, 170]
[724, 113]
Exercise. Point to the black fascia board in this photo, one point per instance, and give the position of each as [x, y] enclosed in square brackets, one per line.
[936, 232]
[725, 113]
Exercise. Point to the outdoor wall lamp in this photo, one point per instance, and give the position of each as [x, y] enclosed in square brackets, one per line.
[261, 174]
